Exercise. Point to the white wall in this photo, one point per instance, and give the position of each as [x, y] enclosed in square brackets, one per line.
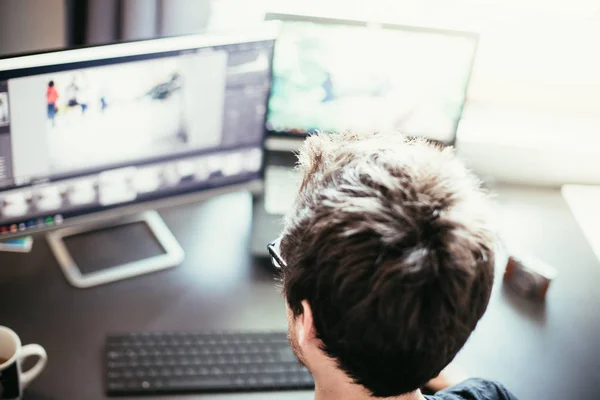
[31, 25]
[533, 114]
[182, 17]
[102, 21]
[139, 19]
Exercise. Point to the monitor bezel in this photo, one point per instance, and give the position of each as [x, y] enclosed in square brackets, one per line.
[255, 185]
[285, 17]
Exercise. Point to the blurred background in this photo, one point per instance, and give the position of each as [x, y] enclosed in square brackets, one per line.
[533, 109]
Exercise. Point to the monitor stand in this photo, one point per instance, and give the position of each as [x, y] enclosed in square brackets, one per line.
[109, 251]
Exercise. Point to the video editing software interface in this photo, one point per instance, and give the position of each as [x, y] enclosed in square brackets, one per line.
[91, 135]
[333, 75]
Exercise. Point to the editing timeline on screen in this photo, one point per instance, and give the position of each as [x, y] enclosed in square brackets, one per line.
[84, 137]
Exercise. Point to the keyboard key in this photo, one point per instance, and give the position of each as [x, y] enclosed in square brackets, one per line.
[116, 386]
[252, 381]
[133, 385]
[267, 381]
[239, 382]
[287, 355]
[201, 383]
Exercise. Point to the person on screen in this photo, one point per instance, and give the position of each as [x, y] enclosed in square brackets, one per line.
[77, 94]
[3, 112]
[387, 265]
[51, 99]
[327, 86]
[72, 92]
[103, 103]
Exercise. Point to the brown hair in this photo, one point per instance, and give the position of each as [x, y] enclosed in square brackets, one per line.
[388, 242]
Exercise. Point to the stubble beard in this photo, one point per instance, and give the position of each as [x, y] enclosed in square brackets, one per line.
[293, 340]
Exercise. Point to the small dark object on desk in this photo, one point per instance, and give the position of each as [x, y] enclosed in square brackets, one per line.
[528, 276]
[188, 362]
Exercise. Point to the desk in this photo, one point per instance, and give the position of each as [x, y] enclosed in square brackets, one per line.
[546, 352]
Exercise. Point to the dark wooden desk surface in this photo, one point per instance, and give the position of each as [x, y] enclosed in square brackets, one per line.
[548, 352]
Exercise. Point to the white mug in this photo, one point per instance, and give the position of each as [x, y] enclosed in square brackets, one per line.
[12, 378]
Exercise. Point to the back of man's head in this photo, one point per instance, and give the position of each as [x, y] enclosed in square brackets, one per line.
[389, 244]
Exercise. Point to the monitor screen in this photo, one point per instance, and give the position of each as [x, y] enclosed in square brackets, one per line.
[90, 129]
[332, 75]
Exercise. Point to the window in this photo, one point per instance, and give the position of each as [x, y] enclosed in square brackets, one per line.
[536, 78]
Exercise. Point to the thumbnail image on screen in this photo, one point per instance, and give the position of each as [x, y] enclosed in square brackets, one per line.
[4, 115]
[112, 114]
[333, 77]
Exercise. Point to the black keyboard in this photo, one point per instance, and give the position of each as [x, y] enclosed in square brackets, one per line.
[186, 362]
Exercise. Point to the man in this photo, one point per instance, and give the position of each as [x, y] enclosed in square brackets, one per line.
[387, 264]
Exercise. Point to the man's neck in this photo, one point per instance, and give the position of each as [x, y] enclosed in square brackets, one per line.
[350, 391]
[331, 383]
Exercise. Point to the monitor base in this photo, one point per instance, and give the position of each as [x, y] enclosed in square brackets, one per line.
[170, 253]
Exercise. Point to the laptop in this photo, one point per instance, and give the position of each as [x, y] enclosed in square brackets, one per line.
[330, 75]
[281, 185]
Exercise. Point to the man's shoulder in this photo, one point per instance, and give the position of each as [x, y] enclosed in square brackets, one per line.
[474, 389]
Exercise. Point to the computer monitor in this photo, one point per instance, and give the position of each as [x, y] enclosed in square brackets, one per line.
[100, 132]
[335, 75]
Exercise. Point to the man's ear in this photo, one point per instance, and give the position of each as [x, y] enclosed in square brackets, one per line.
[305, 325]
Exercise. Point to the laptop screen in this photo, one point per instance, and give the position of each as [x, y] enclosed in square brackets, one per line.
[332, 75]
